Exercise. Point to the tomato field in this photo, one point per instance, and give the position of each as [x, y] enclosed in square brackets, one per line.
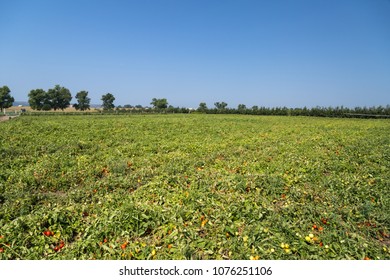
[194, 186]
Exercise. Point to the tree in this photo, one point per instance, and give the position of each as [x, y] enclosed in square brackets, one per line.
[60, 97]
[220, 105]
[82, 101]
[241, 107]
[202, 107]
[39, 100]
[6, 100]
[108, 101]
[159, 103]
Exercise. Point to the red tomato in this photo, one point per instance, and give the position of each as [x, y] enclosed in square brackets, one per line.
[124, 245]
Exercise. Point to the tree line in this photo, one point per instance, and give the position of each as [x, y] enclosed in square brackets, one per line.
[338, 111]
[59, 98]
[222, 108]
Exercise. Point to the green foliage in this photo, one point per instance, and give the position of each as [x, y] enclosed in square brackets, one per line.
[55, 98]
[194, 186]
[241, 107]
[39, 100]
[220, 105]
[202, 107]
[46, 107]
[83, 101]
[108, 101]
[60, 97]
[358, 112]
[159, 103]
[6, 100]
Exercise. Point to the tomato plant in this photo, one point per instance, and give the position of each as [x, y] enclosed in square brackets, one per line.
[194, 187]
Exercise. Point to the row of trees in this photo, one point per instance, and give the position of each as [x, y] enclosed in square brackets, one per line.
[60, 97]
[54, 98]
[221, 108]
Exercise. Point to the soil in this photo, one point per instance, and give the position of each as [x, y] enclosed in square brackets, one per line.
[6, 118]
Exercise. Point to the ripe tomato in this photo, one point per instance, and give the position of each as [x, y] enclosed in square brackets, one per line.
[124, 245]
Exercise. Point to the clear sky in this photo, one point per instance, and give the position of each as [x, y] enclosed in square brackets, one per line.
[270, 53]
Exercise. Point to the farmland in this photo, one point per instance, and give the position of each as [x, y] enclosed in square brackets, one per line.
[194, 187]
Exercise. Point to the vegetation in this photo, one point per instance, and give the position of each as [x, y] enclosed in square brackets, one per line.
[159, 103]
[6, 99]
[367, 112]
[55, 98]
[39, 100]
[60, 97]
[108, 101]
[220, 106]
[83, 101]
[194, 186]
[202, 107]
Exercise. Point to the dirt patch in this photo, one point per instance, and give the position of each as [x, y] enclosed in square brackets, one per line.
[6, 118]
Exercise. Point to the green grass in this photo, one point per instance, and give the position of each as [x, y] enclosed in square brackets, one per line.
[194, 187]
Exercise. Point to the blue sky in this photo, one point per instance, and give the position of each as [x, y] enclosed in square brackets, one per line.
[290, 53]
